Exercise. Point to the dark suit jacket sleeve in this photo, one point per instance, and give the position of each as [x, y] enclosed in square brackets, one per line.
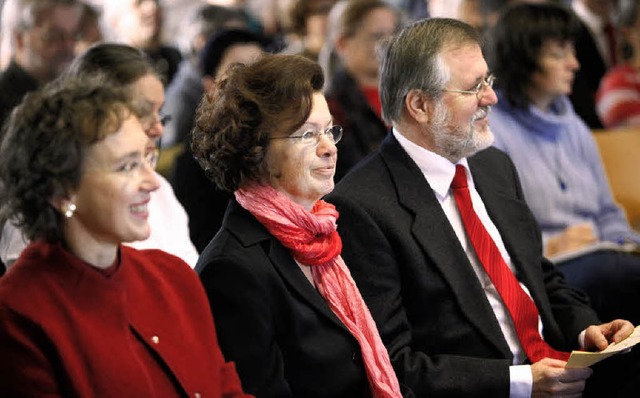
[242, 310]
[371, 260]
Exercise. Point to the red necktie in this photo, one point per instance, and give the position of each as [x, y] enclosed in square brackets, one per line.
[521, 307]
[610, 35]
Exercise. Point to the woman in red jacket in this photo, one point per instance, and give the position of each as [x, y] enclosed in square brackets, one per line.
[81, 315]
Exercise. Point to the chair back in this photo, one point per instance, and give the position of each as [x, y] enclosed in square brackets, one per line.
[620, 153]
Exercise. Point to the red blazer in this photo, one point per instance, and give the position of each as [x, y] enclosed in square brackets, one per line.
[67, 329]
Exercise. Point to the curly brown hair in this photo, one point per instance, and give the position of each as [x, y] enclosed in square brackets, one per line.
[234, 121]
[44, 145]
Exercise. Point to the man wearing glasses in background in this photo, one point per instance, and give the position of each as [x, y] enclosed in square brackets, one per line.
[443, 247]
[43, 35]
[38, 43]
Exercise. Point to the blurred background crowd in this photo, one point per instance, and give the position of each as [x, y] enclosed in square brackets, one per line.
[205, 132]
[192, 42]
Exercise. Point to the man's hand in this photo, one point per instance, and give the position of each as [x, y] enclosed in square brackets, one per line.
[551, 379]
[598, 337]
[572, 238]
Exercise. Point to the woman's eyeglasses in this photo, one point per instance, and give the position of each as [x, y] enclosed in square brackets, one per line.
[135, 165]
[312, 137]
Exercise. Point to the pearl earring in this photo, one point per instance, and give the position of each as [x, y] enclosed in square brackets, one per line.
[71, 208]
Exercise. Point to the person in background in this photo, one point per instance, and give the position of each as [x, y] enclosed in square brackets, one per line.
[306, 23]
[1, 4]
[184, 93]
[138, 23]
[352, 91]
[42, 42]
[82, 315]
[414, 9]
[328, 57]
[618, 97]
[128, 66]
[596, 47]
[205, 203]
[438, 237]
[37, 45]
[556, 155]
[481, 14]
[89, 29]
[287, 311]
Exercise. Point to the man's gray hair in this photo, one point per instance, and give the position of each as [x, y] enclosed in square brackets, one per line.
[412, 60]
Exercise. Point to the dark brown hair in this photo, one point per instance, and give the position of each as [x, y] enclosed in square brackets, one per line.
[515, 45]
[121, 63]
[44, 147]
[234, 121]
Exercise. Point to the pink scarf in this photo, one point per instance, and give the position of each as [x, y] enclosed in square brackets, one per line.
[313, 240]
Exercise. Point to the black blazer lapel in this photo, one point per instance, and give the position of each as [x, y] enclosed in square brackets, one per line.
[250, 232]
[432, 230]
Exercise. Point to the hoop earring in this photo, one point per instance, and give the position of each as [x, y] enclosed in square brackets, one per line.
[68, 212]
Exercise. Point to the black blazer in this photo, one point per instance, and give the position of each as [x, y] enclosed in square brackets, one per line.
[271, 321]
[432, 313]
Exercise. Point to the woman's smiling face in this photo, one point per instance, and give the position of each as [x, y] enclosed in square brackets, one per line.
[304, 171]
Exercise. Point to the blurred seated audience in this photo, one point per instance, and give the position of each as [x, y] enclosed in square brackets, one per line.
[205, 203]
[138, 23]
[36, 46]
[618, 98]
[81, 315]
[306, 24]
[42, 42]
[414, 9]
[352, 89]
[596, 44]
[557, 159]
[273, 273]
[128, 66]
[89, 29]
[184, 93]
[262, 15]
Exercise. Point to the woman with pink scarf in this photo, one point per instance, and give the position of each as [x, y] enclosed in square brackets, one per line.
[287, 310]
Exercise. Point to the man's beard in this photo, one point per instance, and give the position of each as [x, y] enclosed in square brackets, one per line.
[455, 143]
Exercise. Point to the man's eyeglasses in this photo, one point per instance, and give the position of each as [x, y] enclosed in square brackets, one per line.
[312, 137]
[478, 90]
